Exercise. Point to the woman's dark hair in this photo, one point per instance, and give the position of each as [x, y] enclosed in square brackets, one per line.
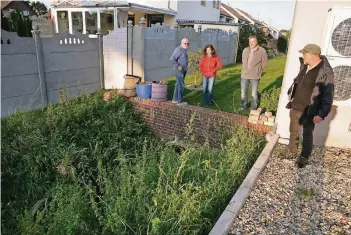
[212, 49]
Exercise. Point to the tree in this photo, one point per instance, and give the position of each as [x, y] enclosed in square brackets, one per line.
[286, 33]
[17, 23]
[282, 44]
[4, 22]
[245, 32]
[38, 7]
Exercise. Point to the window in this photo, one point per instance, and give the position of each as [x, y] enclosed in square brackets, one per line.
[154, 19]
[217, 4]
[222, 18]
[62, 20]
[91, 22]
[25, 13]
[107, 22]
[132, 18]
[203, 3]
[77, 22]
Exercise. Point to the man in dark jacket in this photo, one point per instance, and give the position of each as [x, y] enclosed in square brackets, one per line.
[310, 99]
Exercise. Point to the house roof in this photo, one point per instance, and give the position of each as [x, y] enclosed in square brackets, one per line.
[86, 3]
[232, 11]
[159, 10]
[204, 22]
[5, 4]
[102, 4]
[225, 13]
[250, 17]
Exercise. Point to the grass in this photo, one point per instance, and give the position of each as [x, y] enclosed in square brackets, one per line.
[227, 85]
[92, 167]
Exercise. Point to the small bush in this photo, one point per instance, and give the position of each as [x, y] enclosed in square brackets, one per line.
[193, 66]
[269, 99]
[282, 44]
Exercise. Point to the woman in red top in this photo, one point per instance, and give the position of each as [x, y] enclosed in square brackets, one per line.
[210, 63]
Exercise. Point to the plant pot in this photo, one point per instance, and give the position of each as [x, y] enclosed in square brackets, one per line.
[143, 91]
[159, 92]
[130, 81]
[129, 87]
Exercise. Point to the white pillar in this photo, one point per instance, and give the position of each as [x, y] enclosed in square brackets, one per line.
[84, 23]
[98, 19]
[70, 26]
[115, 18]
[54, 14]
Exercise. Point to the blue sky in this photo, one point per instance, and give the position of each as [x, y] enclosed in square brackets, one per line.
[277, 13]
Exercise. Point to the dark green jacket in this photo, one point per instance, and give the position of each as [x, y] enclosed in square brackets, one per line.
[323, 92]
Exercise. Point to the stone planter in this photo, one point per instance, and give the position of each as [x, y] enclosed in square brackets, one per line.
[159, 92]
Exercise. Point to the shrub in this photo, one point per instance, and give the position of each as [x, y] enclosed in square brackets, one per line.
[269, 99]
[17, 23]
[282, 44]
[193, 65]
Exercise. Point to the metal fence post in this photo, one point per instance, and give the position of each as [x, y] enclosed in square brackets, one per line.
[176, 28]
[101, 58]
[199, 28]
[40, 63]
[130, 48]
[142, 48]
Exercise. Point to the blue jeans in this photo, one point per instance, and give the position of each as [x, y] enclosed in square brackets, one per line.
[254, 89]
[179, 87]
[207, 87]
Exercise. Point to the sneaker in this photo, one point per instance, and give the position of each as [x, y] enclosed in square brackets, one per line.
[302, 162]
[174, 102]
[182, 104]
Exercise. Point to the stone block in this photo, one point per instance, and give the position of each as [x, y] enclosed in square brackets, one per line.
[271, 119]
[253, 118]
[264, 118]
[261, 122]
[255, 112]
[269, 123]
[268, 114]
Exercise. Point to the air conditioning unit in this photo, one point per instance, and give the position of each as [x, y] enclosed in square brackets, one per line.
[337, 48]
[342, 78]
[338, 37]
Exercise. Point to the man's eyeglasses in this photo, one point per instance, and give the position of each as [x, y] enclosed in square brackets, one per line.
[185, 43]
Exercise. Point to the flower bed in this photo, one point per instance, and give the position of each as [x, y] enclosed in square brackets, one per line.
[92, 167]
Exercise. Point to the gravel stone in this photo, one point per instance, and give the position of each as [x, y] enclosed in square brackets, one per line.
[289, 200]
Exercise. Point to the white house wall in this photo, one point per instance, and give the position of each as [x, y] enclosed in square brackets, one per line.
[232, 28]
[193, 10]
[157, 4]
[170, 20]
[330, 132]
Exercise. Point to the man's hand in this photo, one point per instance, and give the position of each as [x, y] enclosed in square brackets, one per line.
[317, 119]
[180, 68]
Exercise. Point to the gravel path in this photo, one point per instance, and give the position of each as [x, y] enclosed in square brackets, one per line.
[288, 200]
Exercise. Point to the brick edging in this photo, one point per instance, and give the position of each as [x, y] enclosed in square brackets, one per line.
[260, 128]
[227, 219]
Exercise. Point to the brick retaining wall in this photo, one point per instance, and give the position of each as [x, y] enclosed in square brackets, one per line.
[168, 120]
